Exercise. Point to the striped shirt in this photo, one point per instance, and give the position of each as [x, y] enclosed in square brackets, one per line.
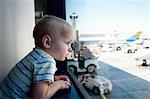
[36, 67]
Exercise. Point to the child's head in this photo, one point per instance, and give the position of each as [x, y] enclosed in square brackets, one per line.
[54, 35]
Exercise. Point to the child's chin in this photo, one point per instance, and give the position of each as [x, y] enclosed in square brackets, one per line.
[61, 59]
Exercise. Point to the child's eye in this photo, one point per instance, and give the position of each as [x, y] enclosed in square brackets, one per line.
[67, 43]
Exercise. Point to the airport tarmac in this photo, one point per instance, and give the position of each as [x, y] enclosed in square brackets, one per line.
[130, 81]
[126, 62]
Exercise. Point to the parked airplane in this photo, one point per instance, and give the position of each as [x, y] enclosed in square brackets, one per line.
[111, 43]
[101, 38]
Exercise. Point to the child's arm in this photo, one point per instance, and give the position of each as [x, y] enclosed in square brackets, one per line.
[45, 91]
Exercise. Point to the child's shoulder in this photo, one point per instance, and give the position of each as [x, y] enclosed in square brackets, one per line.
[41, 56]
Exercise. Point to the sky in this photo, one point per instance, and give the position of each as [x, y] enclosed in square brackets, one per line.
[110, 16]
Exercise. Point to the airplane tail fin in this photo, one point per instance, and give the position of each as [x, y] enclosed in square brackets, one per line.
[138, 34]
[135, 37]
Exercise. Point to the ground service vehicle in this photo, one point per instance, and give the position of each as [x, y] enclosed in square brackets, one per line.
[88, 66]
[99, 84]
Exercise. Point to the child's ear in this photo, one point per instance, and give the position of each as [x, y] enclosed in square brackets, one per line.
[46, 41]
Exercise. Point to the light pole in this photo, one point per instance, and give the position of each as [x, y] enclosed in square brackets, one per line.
[73, 18]
[75, 45]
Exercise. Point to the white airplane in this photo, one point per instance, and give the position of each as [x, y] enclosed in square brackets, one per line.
[111, 43]
[102, 39]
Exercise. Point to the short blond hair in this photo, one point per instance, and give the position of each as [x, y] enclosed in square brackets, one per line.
[47, 25]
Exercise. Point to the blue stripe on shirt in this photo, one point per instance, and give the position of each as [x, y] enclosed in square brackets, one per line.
[16, 85]
[11, 89]
[45, 74]
[26, 66]
[33, 56]
[23, 73]
[38, 53]
[44, 62]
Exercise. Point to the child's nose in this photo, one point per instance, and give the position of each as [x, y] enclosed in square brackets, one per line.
[70, 49]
